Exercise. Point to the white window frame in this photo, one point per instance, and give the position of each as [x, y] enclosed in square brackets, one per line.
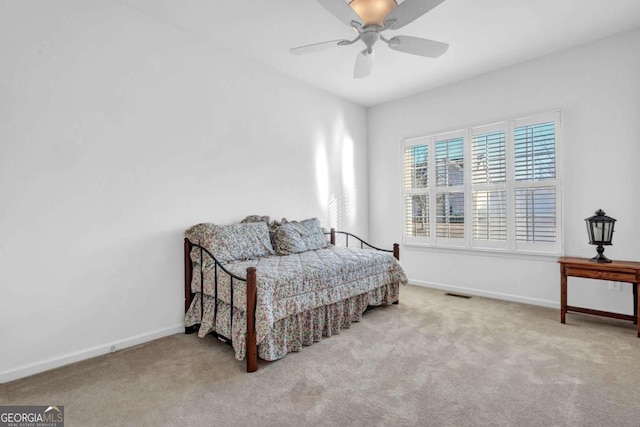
[511, 245]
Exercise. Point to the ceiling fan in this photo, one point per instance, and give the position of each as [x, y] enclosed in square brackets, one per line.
[369, 18]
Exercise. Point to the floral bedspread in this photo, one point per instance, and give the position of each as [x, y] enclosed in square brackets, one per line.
[287, 286]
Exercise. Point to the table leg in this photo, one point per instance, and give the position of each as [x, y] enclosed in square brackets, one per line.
[636, 301]
[563, 296]
[635, 305]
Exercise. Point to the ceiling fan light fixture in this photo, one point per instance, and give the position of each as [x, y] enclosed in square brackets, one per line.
[373, 12]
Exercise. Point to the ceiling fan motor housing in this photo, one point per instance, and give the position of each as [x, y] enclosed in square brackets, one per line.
[370, 35]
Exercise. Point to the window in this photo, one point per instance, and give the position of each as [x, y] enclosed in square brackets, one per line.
[487, 187]
[489, 184]
[535, 173]
[416, 180]
[449, 160]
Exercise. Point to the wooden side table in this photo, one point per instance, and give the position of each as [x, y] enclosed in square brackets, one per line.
[618, 271]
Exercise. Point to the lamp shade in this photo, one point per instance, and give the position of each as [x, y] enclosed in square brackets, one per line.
[600, 228]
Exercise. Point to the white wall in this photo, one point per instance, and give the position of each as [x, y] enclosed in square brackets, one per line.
[117, 132]
[597, 87]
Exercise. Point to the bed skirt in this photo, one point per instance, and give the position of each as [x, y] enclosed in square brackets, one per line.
[293, 332]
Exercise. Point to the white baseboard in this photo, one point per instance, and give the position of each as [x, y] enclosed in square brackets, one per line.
[66, 359]
[487, 294]
[56, 362]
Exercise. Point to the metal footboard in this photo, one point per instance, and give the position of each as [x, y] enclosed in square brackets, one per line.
[234, 280]
[333, 233]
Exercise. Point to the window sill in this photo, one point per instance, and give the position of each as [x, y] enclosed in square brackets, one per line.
[488, 252]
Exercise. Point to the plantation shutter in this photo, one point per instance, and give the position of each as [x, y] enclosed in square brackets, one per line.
[415, 167]
[494, 187]
[535, 163]
[488, 180]
[489, 158]
[535, 152]
[449, 160]
[417, 215]
[536, 215]
[490, 215]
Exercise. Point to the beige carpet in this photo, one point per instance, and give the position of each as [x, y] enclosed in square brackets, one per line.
[432, 360]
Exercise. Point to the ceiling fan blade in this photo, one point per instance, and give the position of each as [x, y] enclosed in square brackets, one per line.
[418, 46]
[407, 12]
[364, 64]
[315, 47]
[341, 10]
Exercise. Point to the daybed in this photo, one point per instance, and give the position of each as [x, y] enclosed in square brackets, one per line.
[268, 288]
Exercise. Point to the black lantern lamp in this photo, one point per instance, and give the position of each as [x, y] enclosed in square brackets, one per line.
[600, 229]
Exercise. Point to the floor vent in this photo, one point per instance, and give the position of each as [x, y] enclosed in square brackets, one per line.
[458, 295]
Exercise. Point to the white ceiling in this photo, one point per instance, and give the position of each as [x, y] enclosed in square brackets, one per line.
[484, 36]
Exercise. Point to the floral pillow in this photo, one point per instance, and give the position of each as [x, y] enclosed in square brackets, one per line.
[235, 242]
[273, 225]
[294, 237]
[255, 218]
